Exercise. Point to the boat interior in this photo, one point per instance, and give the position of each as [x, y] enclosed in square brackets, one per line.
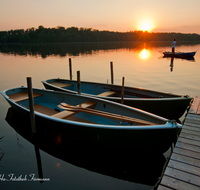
[109, 90]
[86, 111]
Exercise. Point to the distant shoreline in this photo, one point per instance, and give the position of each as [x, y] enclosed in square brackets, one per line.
[74, 34]
[109, 42]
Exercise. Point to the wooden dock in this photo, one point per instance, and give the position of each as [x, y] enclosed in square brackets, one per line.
[183, 169]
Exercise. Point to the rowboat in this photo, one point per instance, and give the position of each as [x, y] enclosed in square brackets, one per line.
[167, 105]
[95, 121]
[140, 167]
[179, 54]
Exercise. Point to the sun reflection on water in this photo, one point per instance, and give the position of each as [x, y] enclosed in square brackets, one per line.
[144, 54]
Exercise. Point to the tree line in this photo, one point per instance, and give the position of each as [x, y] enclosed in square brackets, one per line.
[73, 34]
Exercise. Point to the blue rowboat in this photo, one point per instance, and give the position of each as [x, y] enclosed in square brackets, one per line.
[167, 105]
[179, 54]
[95, 121]
[140, 167]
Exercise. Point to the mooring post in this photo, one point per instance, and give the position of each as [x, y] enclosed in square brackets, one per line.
[39, 162]
[70, 68]
[111, 69]
[78, 82]
[31, 104]
[122, 95]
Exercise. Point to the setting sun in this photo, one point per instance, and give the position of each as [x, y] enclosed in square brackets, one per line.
[145, 25]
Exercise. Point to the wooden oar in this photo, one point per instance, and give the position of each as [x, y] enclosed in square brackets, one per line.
[105, 114]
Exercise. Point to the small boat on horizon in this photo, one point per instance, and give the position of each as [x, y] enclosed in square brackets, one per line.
[167, 105]
[95, 121]
[179, 54]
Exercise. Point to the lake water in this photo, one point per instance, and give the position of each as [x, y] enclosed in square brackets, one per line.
[78, 167]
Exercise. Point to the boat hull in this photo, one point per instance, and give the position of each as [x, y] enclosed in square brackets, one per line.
[156, 138]
[163, 104]
[110, 161]
[179, 54]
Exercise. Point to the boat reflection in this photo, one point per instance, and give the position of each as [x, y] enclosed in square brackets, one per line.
[172, 60]
[125, 164]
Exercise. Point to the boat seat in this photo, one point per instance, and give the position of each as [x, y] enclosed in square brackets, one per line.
[65, 114]
[74, 118]
[22, 96]
[45, 110]
[61, 84]
[107, 93]
[49, 111]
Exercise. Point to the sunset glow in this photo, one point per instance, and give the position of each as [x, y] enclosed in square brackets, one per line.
[144, 54]
[151, 16]
[145, 25]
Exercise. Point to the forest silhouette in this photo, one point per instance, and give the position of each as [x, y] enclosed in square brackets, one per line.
[73, 34]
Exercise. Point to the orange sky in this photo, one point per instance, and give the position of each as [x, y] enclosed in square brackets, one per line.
[113, 15]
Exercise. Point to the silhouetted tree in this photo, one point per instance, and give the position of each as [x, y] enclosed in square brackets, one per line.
[74, 34]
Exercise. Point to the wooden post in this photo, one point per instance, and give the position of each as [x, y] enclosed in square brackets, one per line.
[70, 69]
[31, 104]
[122, 96]
[78, 82]
[39, 162]
[111, 69]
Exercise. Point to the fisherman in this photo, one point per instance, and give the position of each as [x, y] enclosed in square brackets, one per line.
[173, 45]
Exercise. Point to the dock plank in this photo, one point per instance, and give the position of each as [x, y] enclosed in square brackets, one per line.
[183, 176]
[186, 146]
[183, 170]
[184, 167]
[192, 117]
[192, 127]
[190, 136]
[189, 141]
[186, 152]
[177, 184]
[186, 160]
[191, 132]
[163, 188]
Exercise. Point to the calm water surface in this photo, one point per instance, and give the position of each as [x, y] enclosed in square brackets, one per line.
[141, 64]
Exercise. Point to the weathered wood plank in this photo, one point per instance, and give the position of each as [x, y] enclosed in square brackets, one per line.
[177, 184]
[192, 127]
[190, 136]
[183, 170]
[191, 121]
[184, 167]
[193, 116]
[163, 188]
[195, 105]
[189, 141]
[184, 176]
[186, 152]
[186, 160]
[181, 144]
[191, 132]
